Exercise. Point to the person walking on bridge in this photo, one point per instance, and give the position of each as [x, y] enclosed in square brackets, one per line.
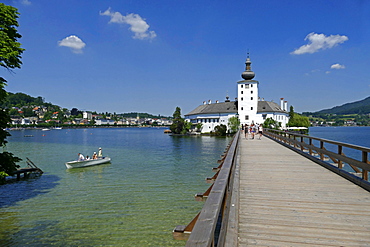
[246, 131]
[260, 131]
[253, 130]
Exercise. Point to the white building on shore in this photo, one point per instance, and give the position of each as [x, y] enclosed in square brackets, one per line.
[248, 106]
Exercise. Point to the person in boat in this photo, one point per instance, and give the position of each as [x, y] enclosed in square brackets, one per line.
[80, 157]
[100, 153]
[87, 157]
[94, 157]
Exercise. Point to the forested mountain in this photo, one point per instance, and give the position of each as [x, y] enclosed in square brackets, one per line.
[21, 100]
[357, 107]
[141, 115]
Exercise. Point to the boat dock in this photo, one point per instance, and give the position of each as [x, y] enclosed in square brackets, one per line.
[30, 169]
[285, 190]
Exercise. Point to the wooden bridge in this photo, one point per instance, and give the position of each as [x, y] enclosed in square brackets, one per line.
[285, 190]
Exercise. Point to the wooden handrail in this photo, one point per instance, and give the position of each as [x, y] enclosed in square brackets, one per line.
[211, 223]
[305, 145]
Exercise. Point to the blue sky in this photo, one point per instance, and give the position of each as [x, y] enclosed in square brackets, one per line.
[151, 56]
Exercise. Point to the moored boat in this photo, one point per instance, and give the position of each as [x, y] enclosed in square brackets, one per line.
[85, 163]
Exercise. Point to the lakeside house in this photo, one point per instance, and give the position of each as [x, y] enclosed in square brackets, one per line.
[98, 120]
[248, 107]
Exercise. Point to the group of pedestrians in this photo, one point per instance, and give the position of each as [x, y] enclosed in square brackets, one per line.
[252, 130]
[94, 156]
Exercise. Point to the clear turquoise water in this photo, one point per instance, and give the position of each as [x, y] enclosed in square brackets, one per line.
[137, 200]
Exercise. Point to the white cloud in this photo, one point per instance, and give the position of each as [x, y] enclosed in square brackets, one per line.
[26, 2]
[319, 42]
[137, 24]
[73, 42]
[337, 66]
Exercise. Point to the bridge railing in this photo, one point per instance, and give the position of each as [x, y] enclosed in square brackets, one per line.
[213, 223]
[354, 166]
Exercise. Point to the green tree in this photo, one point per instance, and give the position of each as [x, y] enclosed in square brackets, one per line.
[48, 115]
[271, 124]
[13, 112]
[10, 48]
[291, 111]
[299, 121]
[187, 127]
[61, 115]
[220, 130]
[233, 124]
[178, 123]
[199, 127]
[10, 58]
[28, 112]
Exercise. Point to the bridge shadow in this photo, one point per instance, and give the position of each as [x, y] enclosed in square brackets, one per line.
[14, 192]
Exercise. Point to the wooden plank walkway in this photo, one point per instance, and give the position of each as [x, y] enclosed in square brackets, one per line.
[288, 200]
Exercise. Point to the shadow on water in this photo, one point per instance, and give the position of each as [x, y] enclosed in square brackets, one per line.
[12, 193]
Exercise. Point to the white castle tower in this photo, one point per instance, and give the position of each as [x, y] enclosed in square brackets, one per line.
[248, 96]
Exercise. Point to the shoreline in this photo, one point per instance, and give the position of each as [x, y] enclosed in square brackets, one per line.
[82, 127]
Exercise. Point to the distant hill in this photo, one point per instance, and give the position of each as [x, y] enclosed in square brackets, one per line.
[22, 100]
[357, 107]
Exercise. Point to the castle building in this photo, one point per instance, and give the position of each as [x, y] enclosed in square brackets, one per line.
[248, 106]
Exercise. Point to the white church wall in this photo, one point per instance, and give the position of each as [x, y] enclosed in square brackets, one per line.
[210, 121]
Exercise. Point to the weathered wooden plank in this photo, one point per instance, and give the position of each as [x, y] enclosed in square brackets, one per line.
[288, 200]
[231, 235]
[204, 229]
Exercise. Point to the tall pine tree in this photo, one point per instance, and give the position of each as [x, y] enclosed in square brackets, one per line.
[178, 123]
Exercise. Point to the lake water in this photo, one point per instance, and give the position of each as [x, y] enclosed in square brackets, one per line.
[359, 136]
[354, 135]
[137, 200]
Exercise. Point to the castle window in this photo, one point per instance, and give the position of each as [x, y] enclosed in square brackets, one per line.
[251, 92]
[246, 85]
[252, 108]
[251, 98]
[241, 86]
[241, 92]
[246, 117]
[242, 108]
[241, 99]
[251, 85]
[264, 116]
